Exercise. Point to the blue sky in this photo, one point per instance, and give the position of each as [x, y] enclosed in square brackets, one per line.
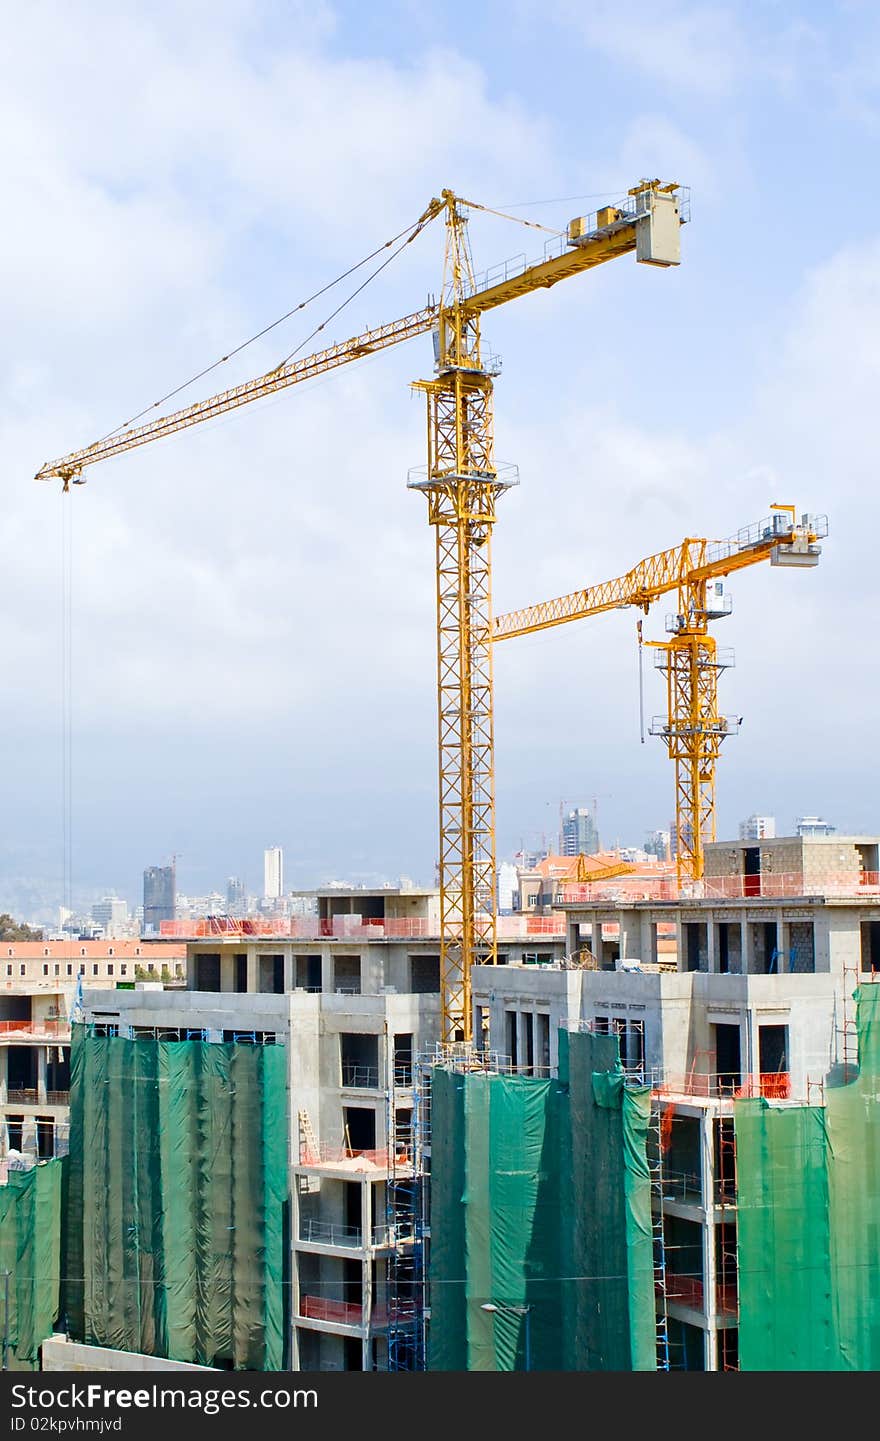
[252, 610]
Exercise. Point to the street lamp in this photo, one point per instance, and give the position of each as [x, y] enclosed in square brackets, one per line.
[493, 1306]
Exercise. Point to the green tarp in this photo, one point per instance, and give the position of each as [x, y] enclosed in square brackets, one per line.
[177, 1198]
[30, 1233]
[609, 1219]
[541, 1200]
[808, 1212]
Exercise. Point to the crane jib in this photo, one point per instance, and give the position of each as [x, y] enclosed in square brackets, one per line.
[381, 338]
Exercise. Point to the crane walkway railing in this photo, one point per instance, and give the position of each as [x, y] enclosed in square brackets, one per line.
[769, 885]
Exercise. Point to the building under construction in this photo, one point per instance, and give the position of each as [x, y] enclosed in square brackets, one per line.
[724, 1219]
[632, 1167]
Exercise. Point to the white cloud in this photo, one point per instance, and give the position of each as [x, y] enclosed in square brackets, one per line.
[698, 46]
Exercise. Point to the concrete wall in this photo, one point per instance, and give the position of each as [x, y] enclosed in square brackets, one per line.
[196, 1009]
[778, 857]
[59, 1354]
[679, 1012]
[821, 860]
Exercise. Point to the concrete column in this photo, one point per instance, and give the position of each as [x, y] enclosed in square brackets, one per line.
[293, 1103]
[596, 942]
[289, 970]
[227, 970]
[781, 959]
[366, 1282]
[252, 970]
[707, 1162]
[326, 971]
[750, 1053]
[42, 1066]
[573, 937]
[746, 947]
[649, 938]
[521, 1049]
[711, 961]
[4, 1074]
[630, 935]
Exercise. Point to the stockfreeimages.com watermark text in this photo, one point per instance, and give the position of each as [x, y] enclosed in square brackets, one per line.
[98, 1397]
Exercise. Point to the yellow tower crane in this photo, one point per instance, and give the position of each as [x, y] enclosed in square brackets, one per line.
[462, 484]
[692, 727]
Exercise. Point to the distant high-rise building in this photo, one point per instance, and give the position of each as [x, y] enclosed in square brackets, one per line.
[814, 826]
[508, 886]
[111, 913]
[758, 828]
[659, 844]
[273, 874]
[579, 834]
[159, 897]
[235, 897]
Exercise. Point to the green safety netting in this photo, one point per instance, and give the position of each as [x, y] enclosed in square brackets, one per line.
[808, 1222]
[30, 1231]
[176, 1202]
[541, 1198]
[611, 1296]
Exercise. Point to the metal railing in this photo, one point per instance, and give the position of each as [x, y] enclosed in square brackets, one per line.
[322, 1308]
[689, 1291]
[770, 1085]
[780, 885]
[346, 1313]
[345, 1156]
[363, 1077]
[354, 927]
[327, 1233]
[36, 1027]
[772, 527]
[684, 1186]
[28, 1096]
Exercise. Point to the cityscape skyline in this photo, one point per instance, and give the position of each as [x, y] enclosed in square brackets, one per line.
[37, 900]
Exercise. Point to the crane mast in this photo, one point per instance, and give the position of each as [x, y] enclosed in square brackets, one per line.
[462, 483]
[692, 728]
[462, 486]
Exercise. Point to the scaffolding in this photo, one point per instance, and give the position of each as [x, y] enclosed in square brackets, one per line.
[727, 1290]
[406, 1208]
[655, 1169]
[847, 1029]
